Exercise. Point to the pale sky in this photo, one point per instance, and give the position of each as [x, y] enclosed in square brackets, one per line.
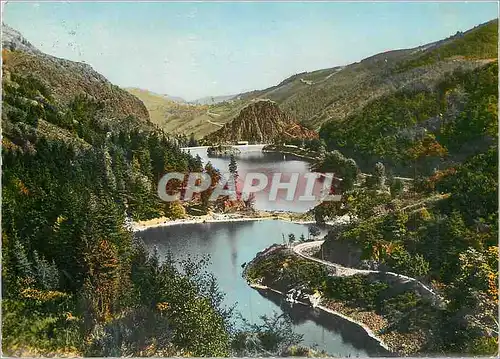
[198, 49]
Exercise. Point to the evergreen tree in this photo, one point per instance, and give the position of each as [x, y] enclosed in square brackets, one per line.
[233, 167]
[291, 239]
[192, 141]
[46, 274]
[314, 231]
[21, 264]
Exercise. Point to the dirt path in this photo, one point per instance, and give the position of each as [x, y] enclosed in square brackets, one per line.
[211, 114]
[215, 123]
[305, 250]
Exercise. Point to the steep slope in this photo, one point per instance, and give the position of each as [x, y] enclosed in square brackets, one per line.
[13, 40]
[338, 92]
[261, 121]
[75, 171]
[334, 94]
[67, 79]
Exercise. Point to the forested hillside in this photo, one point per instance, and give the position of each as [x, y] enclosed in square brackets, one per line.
[442, 225]
[442, 230]
[439, 227]
[80, 159]
[335, 94]
[421, 128]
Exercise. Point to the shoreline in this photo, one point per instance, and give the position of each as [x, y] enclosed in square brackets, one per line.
[368, 331]
[302, 156]
[263, 215]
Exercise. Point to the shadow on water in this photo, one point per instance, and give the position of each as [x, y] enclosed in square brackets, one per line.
[348, 331]
[256, 161]
[229, 245]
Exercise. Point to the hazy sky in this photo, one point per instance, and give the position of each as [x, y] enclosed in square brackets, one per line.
[200, 49]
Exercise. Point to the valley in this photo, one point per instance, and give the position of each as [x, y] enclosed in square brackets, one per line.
[96, 262]
[332, 95]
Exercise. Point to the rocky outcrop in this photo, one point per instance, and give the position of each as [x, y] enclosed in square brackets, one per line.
[12, 40]
[261, 121]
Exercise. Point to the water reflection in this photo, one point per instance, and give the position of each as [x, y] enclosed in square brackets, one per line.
[252, 159]
[231, 244]
[348, 332]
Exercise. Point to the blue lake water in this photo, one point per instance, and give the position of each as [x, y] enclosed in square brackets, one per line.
[231, 244]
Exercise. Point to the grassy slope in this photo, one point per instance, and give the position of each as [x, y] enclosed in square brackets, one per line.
[175, 117]
[336, 93]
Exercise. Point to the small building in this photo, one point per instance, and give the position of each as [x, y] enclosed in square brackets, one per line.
[242, 143]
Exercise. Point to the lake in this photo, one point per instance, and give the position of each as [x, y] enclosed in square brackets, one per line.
[231, 244]
[252, 159]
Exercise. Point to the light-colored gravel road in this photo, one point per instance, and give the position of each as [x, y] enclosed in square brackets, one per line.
[307, 249]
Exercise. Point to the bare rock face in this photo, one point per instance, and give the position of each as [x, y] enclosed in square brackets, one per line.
[261, 121]
[12, 40]
[66, 79]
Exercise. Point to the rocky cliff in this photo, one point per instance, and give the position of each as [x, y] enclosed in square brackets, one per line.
[261, 121]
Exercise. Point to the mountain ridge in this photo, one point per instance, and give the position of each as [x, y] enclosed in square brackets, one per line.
[66, 79]
[333, 94]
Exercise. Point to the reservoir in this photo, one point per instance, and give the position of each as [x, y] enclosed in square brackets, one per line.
[229, 245]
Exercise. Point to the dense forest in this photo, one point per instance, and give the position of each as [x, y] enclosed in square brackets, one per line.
[441, 225]
[76, 171]
[441, 230]
[422, 128]
[74, 279]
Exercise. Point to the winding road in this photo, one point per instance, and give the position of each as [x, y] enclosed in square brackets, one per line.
[211, 114]
[305, 250]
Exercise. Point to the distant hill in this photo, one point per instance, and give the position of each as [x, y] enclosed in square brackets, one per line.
[212, 100]
[175, 98]
[334, 94]
[261, 121]
[180, 117]
[441, 110]
[186, 118]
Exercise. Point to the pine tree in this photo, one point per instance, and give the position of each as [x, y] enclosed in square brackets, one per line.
[45, 273]
[233, 167]
[102, 285]
[192, 141]
[22, 266]
[291, 239]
